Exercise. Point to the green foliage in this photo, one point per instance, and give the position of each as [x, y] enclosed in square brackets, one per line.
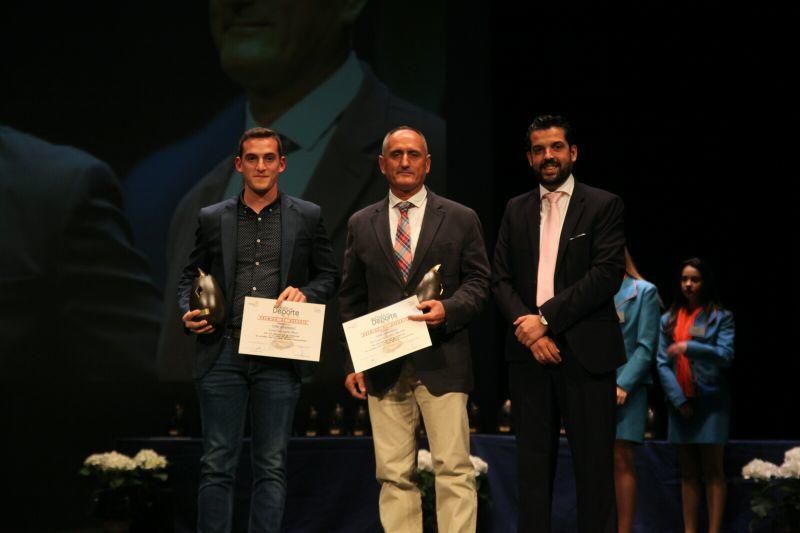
[776, 503]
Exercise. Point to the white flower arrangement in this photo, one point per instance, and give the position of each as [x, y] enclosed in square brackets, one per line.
[426, 481]
[114, 470]
[110, 461]
[481, 467]
[149, 460]
[122, 484]
[425, 463]
[759, 470]
[777, 494]
[791, 464]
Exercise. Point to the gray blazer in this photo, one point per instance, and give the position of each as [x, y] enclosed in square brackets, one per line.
[306, 262]
[451, 234]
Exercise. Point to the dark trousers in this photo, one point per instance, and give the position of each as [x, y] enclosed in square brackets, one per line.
[541, 395]
[270, 387]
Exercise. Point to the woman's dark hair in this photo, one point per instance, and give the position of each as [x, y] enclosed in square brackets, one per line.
[708, 297]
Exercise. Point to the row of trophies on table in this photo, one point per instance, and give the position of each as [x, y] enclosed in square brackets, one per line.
[337, 424]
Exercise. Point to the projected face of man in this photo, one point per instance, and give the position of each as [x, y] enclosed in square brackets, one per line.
[265, 45]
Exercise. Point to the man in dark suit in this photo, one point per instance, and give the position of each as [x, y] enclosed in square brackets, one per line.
[68, 261]
[79, 320]
[558, 262]
[390, 246]
[260, 244]
[302, 79]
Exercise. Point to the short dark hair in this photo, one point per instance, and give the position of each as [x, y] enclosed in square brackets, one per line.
[544, 122]
[260, 133]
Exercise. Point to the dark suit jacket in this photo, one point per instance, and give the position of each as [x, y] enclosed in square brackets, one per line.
[589, 270]
[346, 178]
[451, 235]
[76, 300]
[306, 262]
[79, 320]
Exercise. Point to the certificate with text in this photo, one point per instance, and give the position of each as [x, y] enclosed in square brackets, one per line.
[291, 331]
[385, 334]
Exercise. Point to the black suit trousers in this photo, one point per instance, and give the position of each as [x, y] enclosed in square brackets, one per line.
[541, 396]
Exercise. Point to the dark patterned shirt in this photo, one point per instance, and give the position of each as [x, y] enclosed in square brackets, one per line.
[258, 256]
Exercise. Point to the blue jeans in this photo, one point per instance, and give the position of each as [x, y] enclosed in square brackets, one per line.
[271, 386]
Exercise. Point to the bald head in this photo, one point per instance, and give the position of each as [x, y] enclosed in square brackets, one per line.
[403, 128]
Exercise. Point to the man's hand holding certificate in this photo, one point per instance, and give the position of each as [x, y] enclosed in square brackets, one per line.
[386, 334]
[292, 330]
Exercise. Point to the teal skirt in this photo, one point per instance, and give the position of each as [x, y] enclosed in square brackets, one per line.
[632, 416]
[708, 424]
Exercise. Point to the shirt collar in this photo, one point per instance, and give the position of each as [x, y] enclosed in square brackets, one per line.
[567, 187]
[308, 120]
[243, 205]
[417, 199]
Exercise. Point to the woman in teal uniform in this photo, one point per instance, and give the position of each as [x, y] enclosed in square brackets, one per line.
[638, 308]
[695, 350]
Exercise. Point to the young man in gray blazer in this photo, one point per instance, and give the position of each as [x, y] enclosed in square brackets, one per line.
[390, 246]
[263, 244]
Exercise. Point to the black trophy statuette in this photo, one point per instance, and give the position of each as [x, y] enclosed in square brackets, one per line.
[311, 422]
[430, 287]
[207, 296]
[474, 417]
[504, 418]
[361, 425]
[650, 424]
[336, 426]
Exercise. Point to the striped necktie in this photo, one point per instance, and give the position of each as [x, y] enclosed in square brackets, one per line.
[402, 241]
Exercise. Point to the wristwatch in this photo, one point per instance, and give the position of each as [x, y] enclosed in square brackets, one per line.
[542, 319]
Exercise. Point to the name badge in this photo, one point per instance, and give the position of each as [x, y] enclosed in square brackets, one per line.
[621, 316]
[697, 331]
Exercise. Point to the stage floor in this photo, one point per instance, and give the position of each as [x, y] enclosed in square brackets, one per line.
[332, 487]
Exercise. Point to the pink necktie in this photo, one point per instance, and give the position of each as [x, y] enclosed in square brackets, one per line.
[548, 249]
[402, 242]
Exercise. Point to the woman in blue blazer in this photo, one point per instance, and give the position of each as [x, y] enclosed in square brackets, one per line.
[695, 350]
[638, 308]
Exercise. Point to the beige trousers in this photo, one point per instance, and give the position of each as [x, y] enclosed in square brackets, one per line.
[394, 418]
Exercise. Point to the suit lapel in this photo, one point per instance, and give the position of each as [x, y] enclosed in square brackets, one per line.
[574, 212]
[350, 161]
[229, 243]
[380, 225]
[289, 221]
[211, 188]
[533, 211]
[434, 214]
